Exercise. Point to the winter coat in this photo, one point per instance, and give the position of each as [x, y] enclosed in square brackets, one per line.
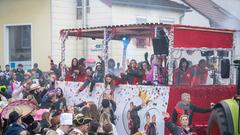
[181, 77]
[199, 75]
[134, 76]
[20, 75]
[177, 130]
[90, 80]
[14, 129]
[181, 109]
[161, 75]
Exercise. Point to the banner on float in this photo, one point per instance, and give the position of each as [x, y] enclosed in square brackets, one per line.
[123, 95]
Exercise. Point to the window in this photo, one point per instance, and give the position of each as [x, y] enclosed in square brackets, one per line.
[87, 6]
[79, 9]
[80, 6]
[141, 42]
[79, 3]
[26, 35]
[19, 43]
[167, 20]
[140, 20]
[79, 13]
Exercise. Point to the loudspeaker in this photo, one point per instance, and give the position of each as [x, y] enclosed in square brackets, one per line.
[160, 45]
[207, 53]
[225, 68]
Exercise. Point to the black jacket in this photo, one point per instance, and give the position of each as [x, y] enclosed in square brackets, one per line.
[133, 75]
[188, 110]
[14, 129]
[20, 75]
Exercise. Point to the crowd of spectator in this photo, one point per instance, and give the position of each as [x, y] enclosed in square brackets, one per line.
[55, 117]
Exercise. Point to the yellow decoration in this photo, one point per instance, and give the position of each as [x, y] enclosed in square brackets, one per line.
[143, 95]
[138, 133]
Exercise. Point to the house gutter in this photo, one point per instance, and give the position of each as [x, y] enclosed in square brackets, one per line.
[151, 6]
[181, 18]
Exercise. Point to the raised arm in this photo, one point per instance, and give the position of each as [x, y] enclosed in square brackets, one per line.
[200, 110]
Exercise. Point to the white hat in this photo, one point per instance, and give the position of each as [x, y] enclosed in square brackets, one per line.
[66, 119]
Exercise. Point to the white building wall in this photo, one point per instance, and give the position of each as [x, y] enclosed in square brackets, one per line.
[63, 17]
[100, 15]
[193, 17]
[126, 15]
[233, 7]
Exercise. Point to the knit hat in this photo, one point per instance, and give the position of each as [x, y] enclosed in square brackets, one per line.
[105, 103]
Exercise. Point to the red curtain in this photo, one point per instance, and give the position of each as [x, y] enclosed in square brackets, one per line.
[190, 38]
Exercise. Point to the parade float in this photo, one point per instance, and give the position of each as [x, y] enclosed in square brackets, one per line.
[216, 46]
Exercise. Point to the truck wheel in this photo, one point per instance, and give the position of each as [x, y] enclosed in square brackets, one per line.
[217, 123]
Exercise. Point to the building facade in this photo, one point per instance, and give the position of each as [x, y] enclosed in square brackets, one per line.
[116, 12]
[38, 25]
[25, 33]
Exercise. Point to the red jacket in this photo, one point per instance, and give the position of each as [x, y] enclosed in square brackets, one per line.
[182, 78]
[199, 75]
[81, 77]
[68, 77]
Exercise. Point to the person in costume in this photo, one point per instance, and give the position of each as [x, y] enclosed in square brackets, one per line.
[14, 124]
[183, 129]
[199, 73]
[66, 121]
[134, 74]
[73, 71]
[80, 123]
[185, 107]
[112, 81]
[182, 75]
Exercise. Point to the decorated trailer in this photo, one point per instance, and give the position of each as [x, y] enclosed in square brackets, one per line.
[208, 48]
